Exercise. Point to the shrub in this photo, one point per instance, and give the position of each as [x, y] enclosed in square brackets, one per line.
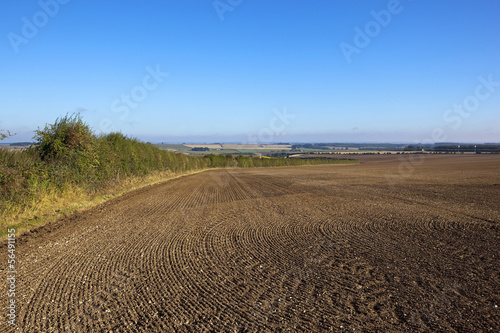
[68, 134]
[5, 134]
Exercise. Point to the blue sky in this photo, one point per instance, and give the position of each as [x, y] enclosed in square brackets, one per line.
[343, 70]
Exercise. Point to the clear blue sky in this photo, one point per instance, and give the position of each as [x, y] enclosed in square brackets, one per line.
[234, 65]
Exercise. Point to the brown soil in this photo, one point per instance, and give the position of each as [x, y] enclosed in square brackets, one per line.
[384, 246]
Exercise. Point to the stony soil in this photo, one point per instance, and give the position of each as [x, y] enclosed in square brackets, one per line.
[389, 245]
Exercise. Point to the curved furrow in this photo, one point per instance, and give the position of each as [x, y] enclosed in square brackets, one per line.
[300, 249]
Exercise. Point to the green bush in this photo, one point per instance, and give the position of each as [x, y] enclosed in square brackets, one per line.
[68, 134]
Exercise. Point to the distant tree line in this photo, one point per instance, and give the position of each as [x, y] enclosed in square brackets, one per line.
[309, 146]
[467, 148]
[200, 149]
[344, 145]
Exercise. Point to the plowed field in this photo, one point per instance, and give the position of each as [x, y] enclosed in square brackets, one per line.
[301, 249]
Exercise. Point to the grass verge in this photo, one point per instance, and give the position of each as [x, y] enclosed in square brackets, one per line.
[51, 207]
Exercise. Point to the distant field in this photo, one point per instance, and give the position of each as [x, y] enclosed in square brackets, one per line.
[230, 149]
[240, 146]
[172, 146]
[320, 150]
[253, 149]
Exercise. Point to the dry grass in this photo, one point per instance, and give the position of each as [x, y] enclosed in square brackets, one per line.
[51, 206]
